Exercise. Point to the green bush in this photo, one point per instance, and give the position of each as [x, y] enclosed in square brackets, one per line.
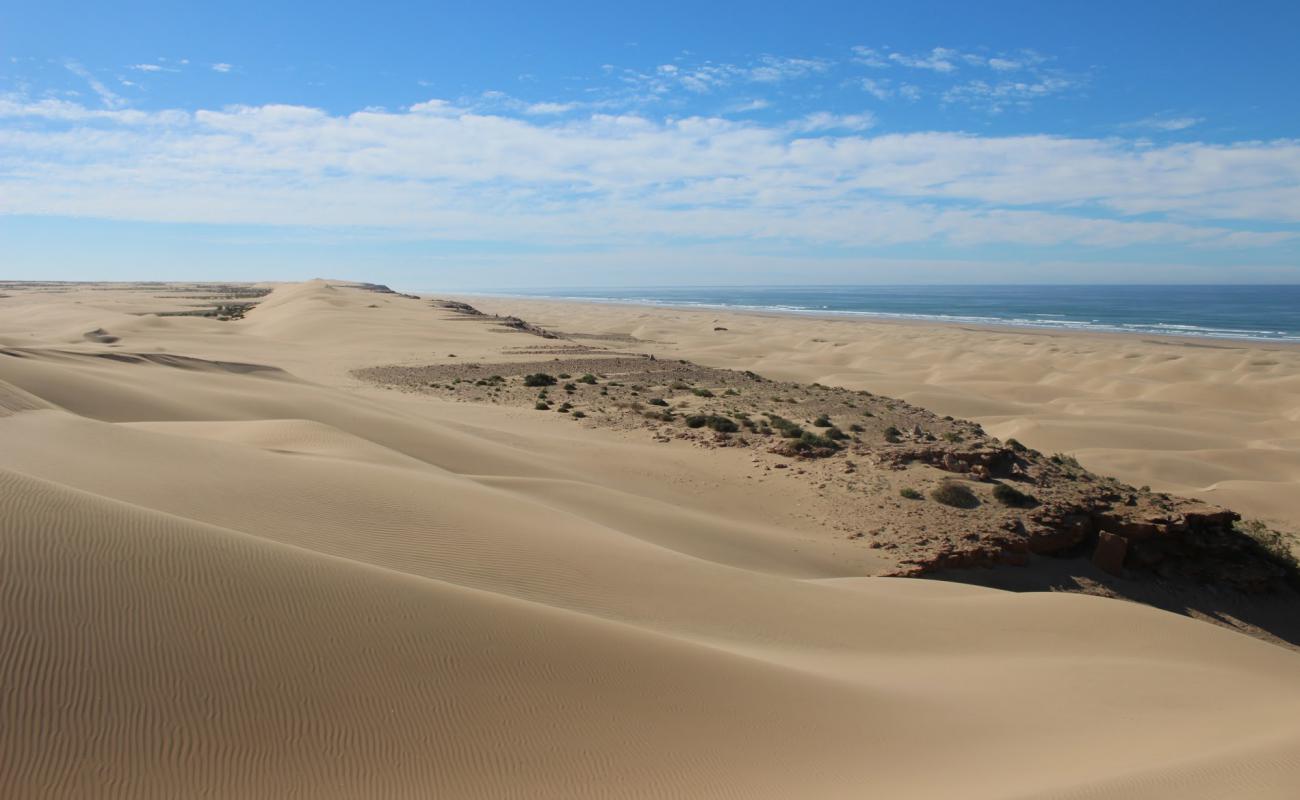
[657, 401]
[578, 415]
[954, 494]
[813, 440]
[822, 421]
[701, 393]
[713, 422]
[892, 434]
[1009, 495]
[539, 379]
[952, 436]
[1016, 446]
[910, 493]
[588, 378]
[542, 405]
[809, 445]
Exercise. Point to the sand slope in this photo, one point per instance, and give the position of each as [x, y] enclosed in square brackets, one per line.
[244, 582]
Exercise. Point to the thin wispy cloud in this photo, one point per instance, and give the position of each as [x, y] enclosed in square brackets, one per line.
[222, 67]
[1166, 124]
[107, 96]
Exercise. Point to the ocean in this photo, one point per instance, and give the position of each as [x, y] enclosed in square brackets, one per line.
[1265, 313]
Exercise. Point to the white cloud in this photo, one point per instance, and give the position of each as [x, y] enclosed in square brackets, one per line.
[824, 121]
[870, 57]
[107, 96]
[940, 59]
[746, 106]
[771, 69]
[1001, 95]
[538, 109]
[146, 67]
[877, 88]
[440, 170]
[909, 92]
[1166, 124]
[222, 67]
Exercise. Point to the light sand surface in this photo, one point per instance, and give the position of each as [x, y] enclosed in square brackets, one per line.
[229, 569]
[1213, 419]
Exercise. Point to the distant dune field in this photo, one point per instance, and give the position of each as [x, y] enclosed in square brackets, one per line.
[1214, 419]
[229, 568]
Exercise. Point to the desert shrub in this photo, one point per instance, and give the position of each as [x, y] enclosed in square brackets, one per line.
[657, 401]
[867, 413]
[856, 428]
[1274, 545]
[822, 421]
[539, 379]
[753, 376]
[578, 415]
[1009, 495]
[1066, 461]
[588, 378]
[565, 407]
[835, 434]
[1016, 446]
[701, 393]
[813, 440]
[679, 386]
[712, 421]
[954, 494]
[952, 436]
[909, 493]
[892, 434]
[564, 376]
[722, 424]
[808, 445]
[730, 393]
[542, 405]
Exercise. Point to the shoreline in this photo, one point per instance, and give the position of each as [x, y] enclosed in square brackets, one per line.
[974, 324]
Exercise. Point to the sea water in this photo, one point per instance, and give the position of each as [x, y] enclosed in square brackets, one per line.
[1268, 313]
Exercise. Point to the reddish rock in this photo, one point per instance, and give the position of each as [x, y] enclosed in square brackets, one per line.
[1110, 552]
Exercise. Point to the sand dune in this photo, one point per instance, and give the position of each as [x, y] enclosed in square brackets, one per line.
[229, 569]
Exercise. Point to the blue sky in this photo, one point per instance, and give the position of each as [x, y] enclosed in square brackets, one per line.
[521, 144]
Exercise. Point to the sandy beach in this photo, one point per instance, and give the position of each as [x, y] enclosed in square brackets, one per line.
[231, 566]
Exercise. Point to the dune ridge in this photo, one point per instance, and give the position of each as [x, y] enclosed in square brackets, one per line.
[248, 582]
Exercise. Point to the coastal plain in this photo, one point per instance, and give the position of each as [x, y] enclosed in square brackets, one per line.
[230, 567]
